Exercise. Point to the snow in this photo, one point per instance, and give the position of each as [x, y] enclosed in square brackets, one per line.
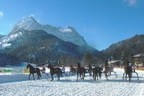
[5, 41]
[138, 55]
[65, 30]
[27, 23]
[6, 45]
[11, 37]
[18, 85]
[113, 61]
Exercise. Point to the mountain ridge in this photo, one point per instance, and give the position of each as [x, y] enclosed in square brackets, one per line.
[29, 41]
[126, 48]
[66, 34]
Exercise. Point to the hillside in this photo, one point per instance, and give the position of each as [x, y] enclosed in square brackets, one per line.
[127, 47]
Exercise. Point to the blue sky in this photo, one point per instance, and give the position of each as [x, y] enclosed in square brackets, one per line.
[100, 22]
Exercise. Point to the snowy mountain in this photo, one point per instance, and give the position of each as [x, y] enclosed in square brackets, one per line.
[67, 34]
[30, 41]
[38, 46]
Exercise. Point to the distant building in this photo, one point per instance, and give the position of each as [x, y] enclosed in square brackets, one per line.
[117, 63]
[139, 60]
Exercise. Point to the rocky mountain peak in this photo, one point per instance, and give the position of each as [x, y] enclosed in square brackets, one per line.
[27, 23]
[68, 34]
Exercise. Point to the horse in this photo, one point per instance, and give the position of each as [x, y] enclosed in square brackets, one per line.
[108, 70]
[127, 72]
[90, 70]
[111, 69]
[54, 71]
[32, 71]
[133, 71]
[44, 70]
[97, 72]
[80, 72]
[63, 70]
[72, 70]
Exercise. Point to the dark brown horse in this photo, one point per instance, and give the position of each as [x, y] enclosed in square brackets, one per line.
[55, 70]
[32, 71]
[106, 69]
[127, 71]
[90, 69]
[97, 72]
[80, 72]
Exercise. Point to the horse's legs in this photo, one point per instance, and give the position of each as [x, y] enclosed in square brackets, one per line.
[100, 75]
[52, 77]
[29, 76]
[94, 75]
[137, 75]
[106, 75]
[110, 73]
[90, 73]
[123, 76]
[47, 74]
[62, 74]
[83, 75]
[33, 76]
[129, 75]
[115, 74]
[78, 75]
[97, 76]
[58, 76]
[126, 76]
[38, 75]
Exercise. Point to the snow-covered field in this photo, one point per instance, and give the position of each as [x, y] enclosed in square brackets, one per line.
[18, 85]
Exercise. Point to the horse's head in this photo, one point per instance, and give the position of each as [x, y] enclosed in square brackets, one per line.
[78, 64]
[28, 66]
[49, 66]
[71, 66]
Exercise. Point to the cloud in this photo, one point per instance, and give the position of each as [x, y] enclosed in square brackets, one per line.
[1, 14]
[131, 2]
